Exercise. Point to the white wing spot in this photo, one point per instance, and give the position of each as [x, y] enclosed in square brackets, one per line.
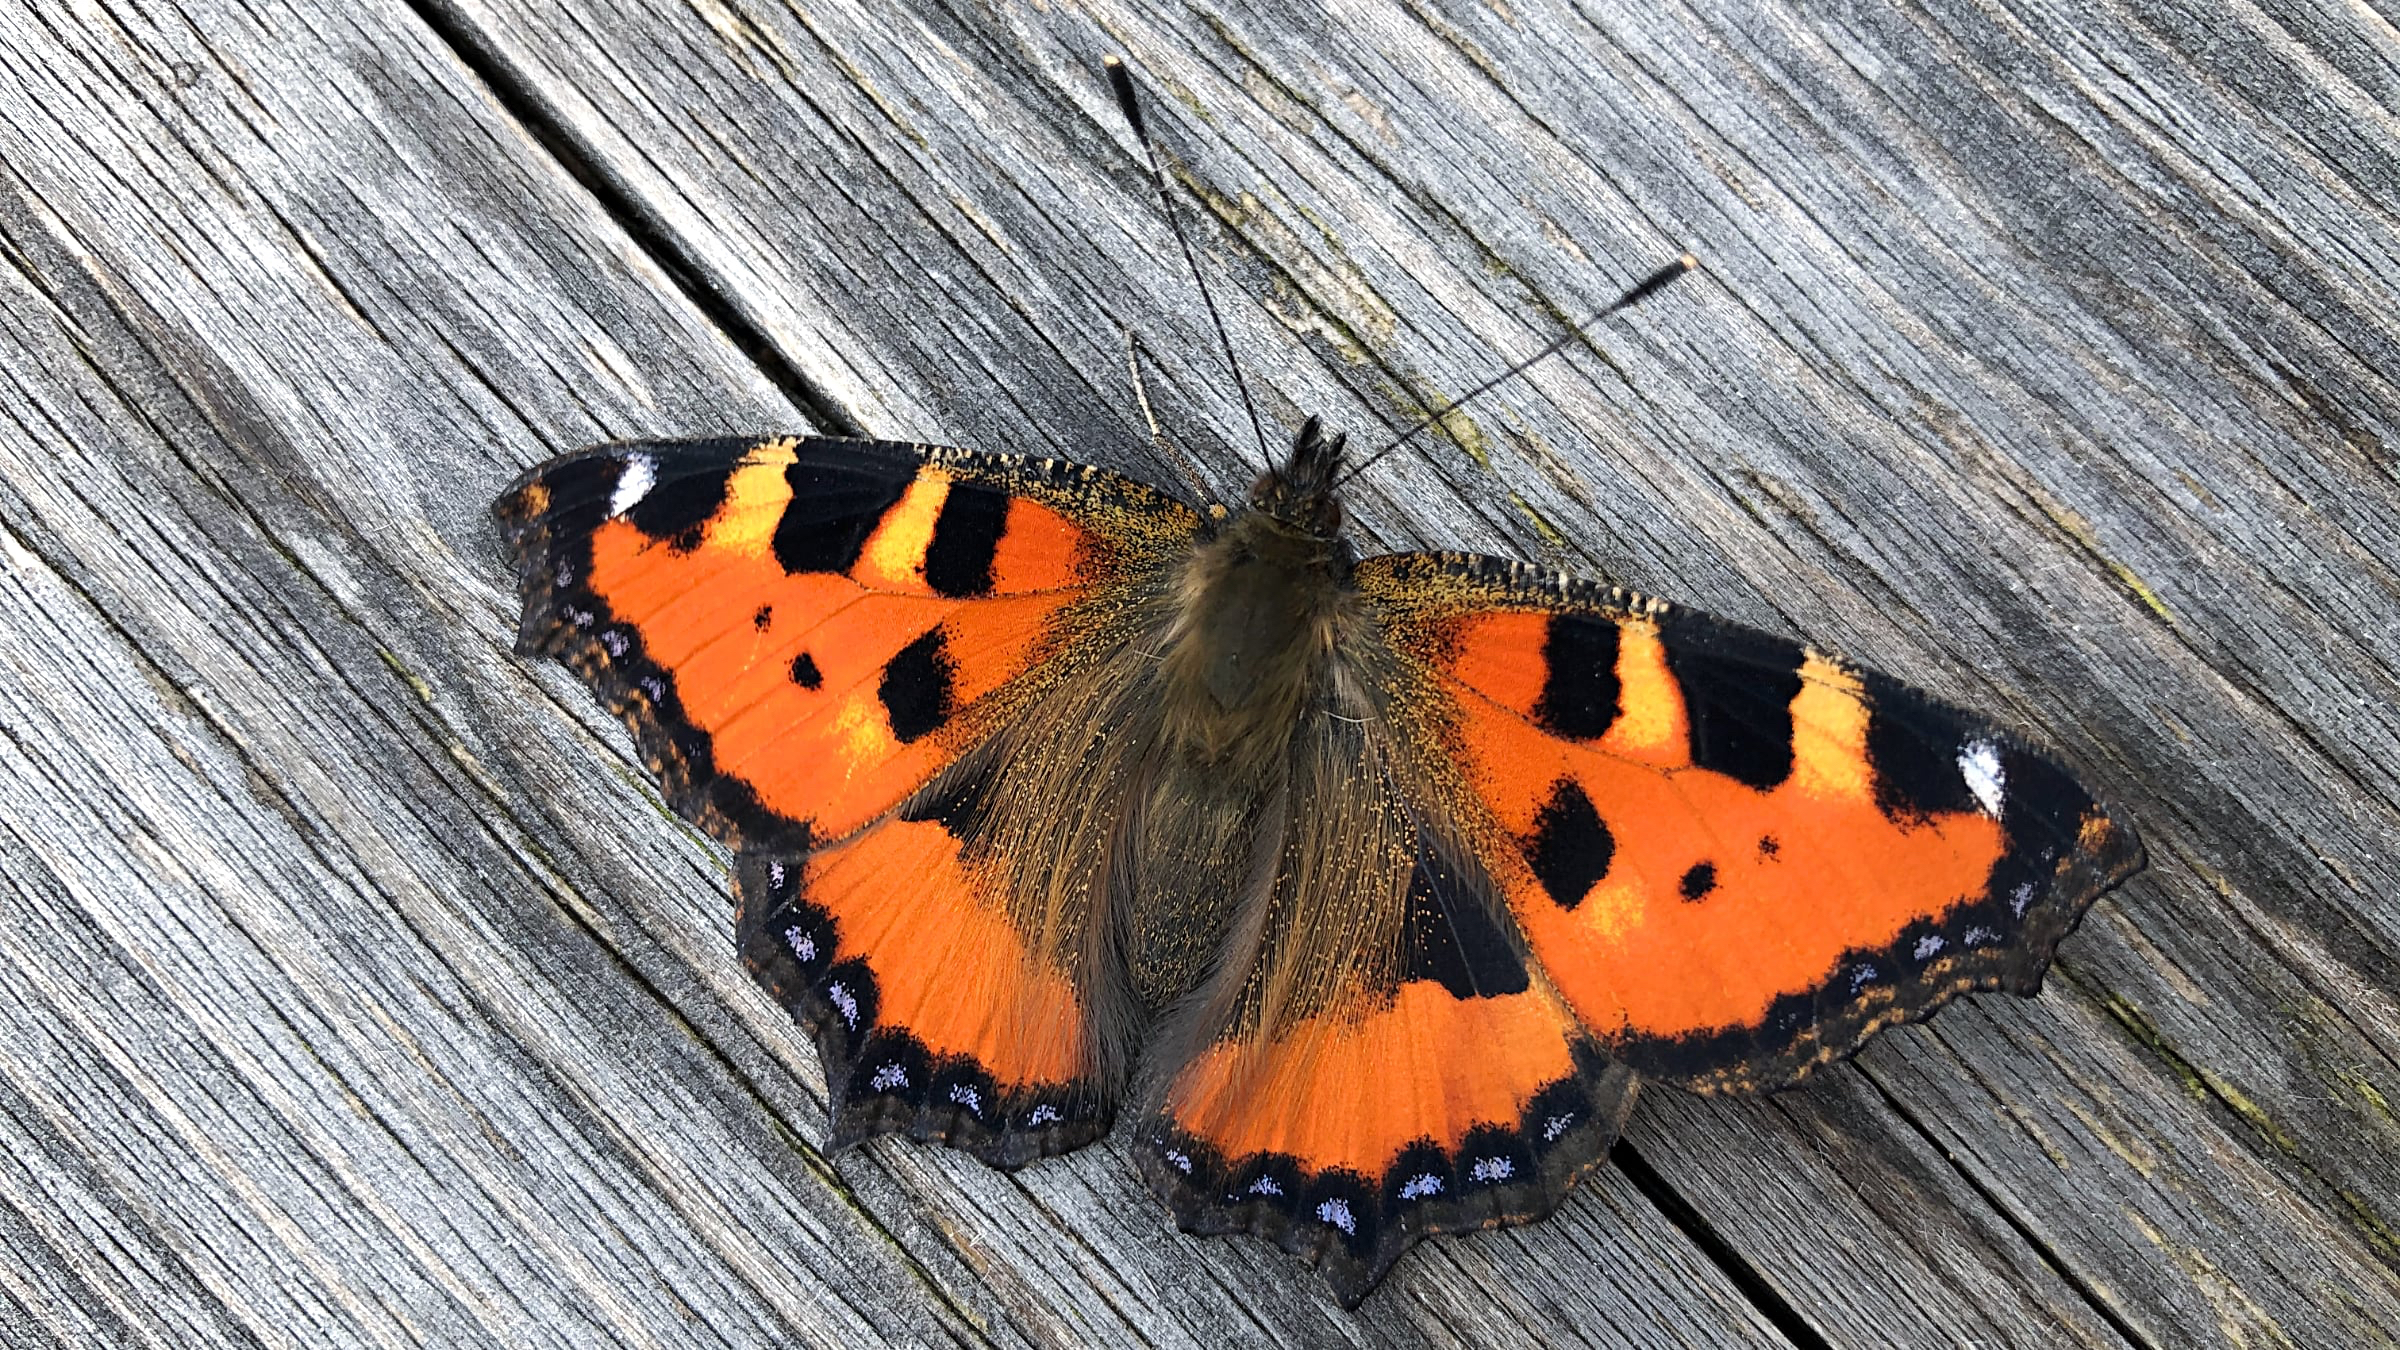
[803, 946]
[1493, 1169]
[840, 997]
[1862, 977]
[1556, 1126]
[1979, 764]
[967, 1097]
[2019, 898]
[634, 483]
[1182, 1161]
[1265, 1186]
[1980, 936]
[1421, 1185]
[1046, 1114]
[888, 1077]
[775, 875]
[1927, 946]
[1337, 1212]
[614, 641]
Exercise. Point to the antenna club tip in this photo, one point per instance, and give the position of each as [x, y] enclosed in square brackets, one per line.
[1689, 262]
[1120, 82]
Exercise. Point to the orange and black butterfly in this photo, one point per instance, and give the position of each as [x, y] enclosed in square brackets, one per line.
[1369, 888]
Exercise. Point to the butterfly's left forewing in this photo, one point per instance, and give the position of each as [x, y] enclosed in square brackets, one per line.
[814, 643]
[1735, 857]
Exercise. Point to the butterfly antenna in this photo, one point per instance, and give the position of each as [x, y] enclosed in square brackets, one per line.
[1121, 80]
[1648, 286]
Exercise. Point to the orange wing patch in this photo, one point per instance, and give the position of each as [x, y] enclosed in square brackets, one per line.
[822, 692]
[1714, 898]
[1736, 859]
[955, 973]
[1351, 1092]
[933, 1015]
[1354, 1135]
[801, 633]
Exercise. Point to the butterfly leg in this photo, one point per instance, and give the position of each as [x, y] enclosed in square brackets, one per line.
[1167, 451]
[1141, 392]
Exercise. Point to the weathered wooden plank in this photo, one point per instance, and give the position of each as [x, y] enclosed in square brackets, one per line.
[354, 995]
[2051, 366]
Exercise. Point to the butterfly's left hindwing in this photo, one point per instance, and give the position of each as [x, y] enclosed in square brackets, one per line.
[809, 639]
[1736, 858]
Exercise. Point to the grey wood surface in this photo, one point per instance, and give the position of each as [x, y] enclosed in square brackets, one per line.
[356, 989]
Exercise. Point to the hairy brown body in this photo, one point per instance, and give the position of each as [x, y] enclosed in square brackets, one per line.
[1275, 843]
[1228, 758]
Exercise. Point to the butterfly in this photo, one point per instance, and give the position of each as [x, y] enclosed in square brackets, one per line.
[1370, 889]
[1373, 887]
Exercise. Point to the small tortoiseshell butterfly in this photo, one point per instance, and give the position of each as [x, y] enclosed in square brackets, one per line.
[1370, 887]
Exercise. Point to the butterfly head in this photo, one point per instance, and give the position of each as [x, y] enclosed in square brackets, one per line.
[1299, 494]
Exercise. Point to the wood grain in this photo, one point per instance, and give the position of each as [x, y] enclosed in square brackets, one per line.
[358, 991]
